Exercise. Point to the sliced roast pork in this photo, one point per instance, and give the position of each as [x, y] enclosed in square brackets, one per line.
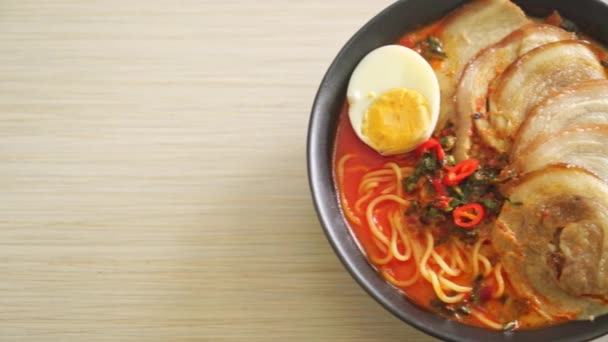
[581, 146]
[553, 241]
[474, 85]
[529, 80]
[464, 33]
[582, 105]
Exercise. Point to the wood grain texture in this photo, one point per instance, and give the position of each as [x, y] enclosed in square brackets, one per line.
[152, 173]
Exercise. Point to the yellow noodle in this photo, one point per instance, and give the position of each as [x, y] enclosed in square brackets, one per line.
[395, 221]
[398, 177]
[387, 171]
[540, 311]
[358, 168]
[441, 251]
[453, 286]
[380, 179]
[425, 257]
[344, 203]
[378, 173]
[499, 281]
[475, 259]
[457, 257]
[383, 248]
[369, 215]
[360, 201]
[439, 291]
[416, 249]
[403, 233]
[465, 253]
[486, 264]
[341, 163]
[483, 319]
[393, 246]
[401, 283]
[368, 186]
[453, 262]
[442, 264]
[389, 190]
[382, 261]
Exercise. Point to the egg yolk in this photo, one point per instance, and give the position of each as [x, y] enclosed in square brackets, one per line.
[397, 121]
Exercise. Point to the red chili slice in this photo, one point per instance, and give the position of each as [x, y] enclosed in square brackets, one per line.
[469, 215]
[430, 144]
[443, 203]
[434, 145]
[460, 172]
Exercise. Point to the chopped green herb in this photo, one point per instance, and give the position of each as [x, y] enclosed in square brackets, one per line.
[501, 181]
[477, 186]
[475, 297]
[504, 178]
[432, 214]
[456, 202]
[442, 307]
[468, 188]
[429, 163]
[510, 326]
[468, 236]
[450, 160]
[570, 26]
[456, 189]
[431, 48]
[463, 309]
[448, 142]
[436, 303]
[477, 116]
[410, 183]
[516, 204]
[481, 176]
[413, 208]
[491, 204]
[425, 166]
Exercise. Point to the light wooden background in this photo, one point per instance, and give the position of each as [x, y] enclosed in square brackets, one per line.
[153, 177]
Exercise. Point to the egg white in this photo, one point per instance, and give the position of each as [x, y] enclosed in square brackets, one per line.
[386, 68]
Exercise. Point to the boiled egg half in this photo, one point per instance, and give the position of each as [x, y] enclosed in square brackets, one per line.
[393, 97]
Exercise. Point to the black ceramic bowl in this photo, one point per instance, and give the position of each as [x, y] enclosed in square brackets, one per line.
[386, 28]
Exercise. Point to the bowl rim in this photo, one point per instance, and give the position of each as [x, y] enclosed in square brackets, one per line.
[326, 205]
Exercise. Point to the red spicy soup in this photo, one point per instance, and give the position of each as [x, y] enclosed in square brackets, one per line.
[438, 265]
[424, 221]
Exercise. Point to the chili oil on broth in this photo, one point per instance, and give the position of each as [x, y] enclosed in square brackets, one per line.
[440, 267]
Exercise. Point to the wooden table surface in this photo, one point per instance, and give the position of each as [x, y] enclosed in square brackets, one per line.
[153, 180]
